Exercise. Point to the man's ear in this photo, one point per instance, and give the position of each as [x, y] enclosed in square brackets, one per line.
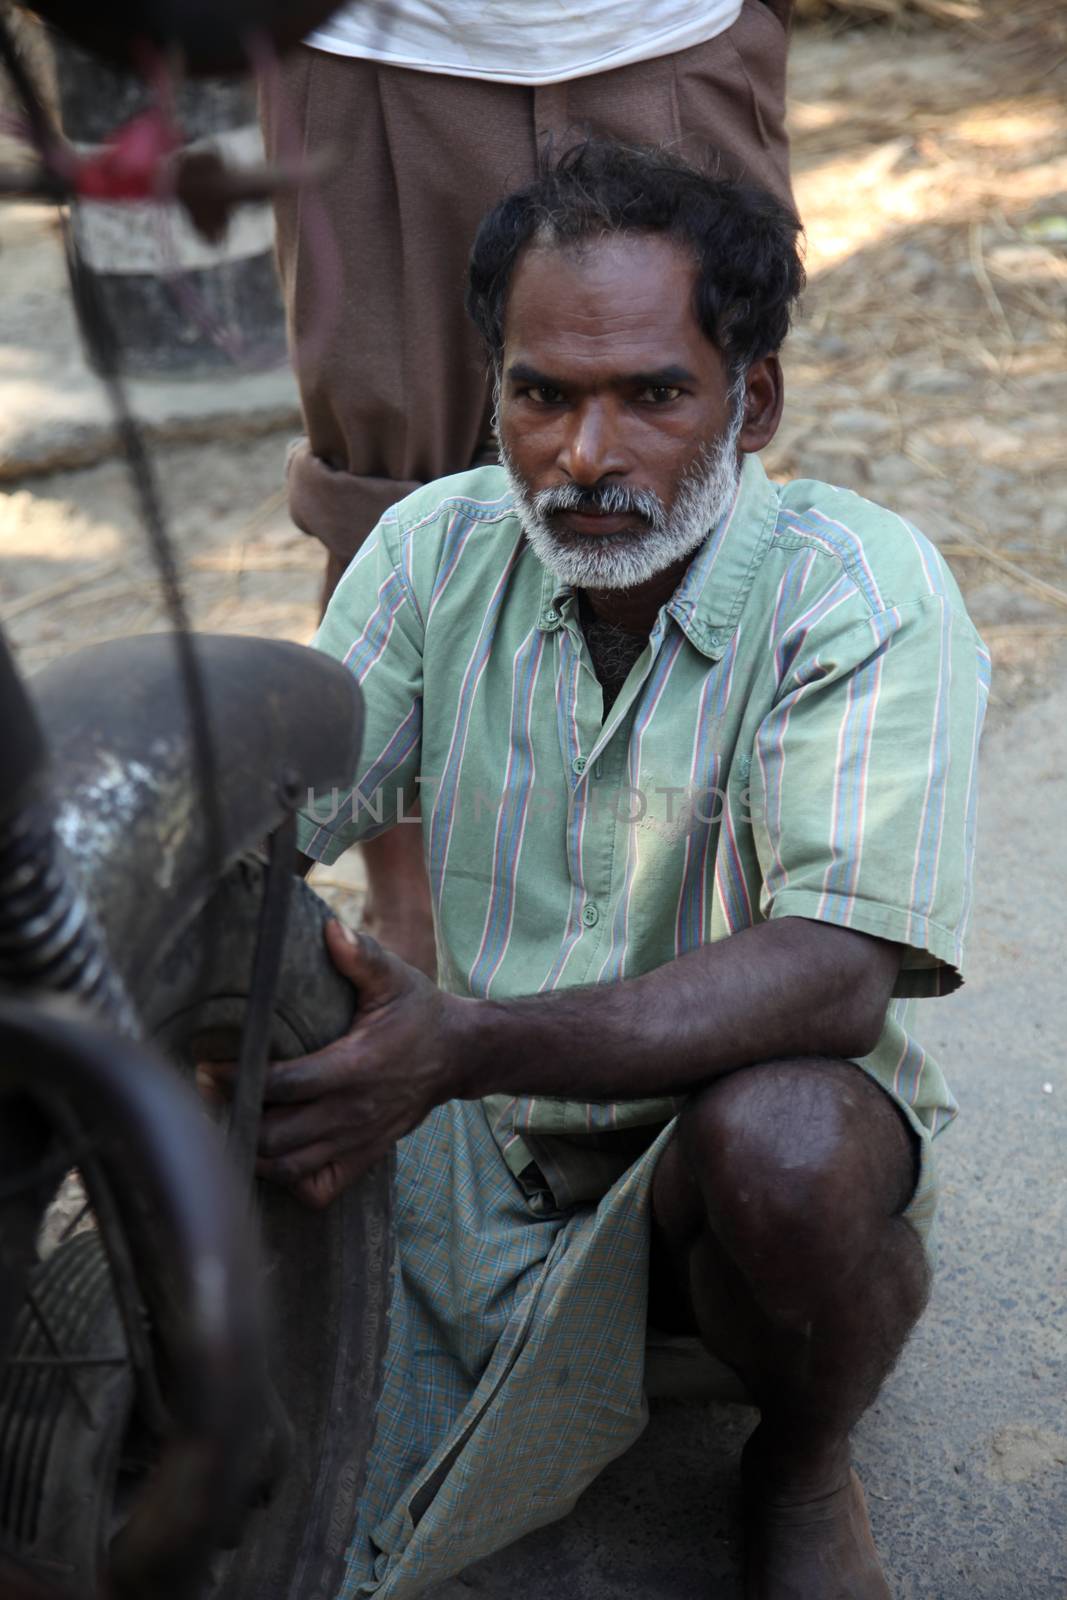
[764, 398]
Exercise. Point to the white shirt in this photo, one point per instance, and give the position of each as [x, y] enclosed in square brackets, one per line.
[521, 41]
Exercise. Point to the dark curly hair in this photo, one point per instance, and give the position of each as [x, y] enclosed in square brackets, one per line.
[744, 240]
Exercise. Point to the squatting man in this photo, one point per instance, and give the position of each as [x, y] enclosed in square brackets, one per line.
[666, 1076]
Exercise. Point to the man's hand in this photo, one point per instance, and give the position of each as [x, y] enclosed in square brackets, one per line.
[330, 1116]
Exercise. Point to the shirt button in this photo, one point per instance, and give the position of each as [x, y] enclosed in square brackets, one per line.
[578, 765]
[550, 617]
[591, 916]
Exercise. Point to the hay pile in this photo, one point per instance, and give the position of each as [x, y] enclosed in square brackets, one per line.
[1043, 22]
[926, 372]
[950, 11]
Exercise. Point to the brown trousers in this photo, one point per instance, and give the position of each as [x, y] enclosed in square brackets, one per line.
[392, 377]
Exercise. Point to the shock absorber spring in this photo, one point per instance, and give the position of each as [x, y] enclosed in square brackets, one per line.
[49, 939]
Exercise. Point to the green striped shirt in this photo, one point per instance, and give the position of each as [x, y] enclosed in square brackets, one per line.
[799, 738]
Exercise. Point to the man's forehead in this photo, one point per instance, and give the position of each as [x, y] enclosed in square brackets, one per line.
[630, 290]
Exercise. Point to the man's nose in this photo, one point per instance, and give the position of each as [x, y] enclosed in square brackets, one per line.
[592, 447]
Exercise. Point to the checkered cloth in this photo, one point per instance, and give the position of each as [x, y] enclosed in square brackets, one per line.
[516, 1357]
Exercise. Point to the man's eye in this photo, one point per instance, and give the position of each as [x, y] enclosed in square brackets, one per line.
[660, 394]
[542, 394]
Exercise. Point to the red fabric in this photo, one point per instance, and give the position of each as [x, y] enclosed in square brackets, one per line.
[132, 164]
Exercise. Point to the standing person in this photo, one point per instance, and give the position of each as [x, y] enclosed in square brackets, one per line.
[430, 112]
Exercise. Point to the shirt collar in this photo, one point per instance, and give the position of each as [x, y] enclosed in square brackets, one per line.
[708, 601]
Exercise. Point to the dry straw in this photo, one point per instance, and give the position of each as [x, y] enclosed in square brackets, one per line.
[950, 11]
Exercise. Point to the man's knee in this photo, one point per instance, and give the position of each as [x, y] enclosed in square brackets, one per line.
[805, 1159]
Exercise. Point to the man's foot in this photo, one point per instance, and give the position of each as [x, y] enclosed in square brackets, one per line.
[807, 1544]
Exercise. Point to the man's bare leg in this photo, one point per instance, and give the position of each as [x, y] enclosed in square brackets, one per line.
[336, 567]
[779, 1203]
[398, 911]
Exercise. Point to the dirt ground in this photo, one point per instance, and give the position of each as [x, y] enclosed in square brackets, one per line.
[927, 370]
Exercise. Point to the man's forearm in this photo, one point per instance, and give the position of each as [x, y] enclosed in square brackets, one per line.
[790, 987]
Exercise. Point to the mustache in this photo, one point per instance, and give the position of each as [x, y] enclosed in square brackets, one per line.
[609, 500]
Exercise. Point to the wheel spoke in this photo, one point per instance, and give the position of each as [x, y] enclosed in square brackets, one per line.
[62, 1361]
[131, 1307]
[71, 1226]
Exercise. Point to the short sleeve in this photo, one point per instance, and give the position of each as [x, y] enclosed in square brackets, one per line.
[864, 783]
[374, 626]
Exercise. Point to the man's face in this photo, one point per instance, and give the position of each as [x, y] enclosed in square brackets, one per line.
[616, 417]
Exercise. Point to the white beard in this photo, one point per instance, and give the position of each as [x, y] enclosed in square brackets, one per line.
[629, 558]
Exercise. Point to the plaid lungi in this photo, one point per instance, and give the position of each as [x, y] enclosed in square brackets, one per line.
[516, 1357]
[515, 1367]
